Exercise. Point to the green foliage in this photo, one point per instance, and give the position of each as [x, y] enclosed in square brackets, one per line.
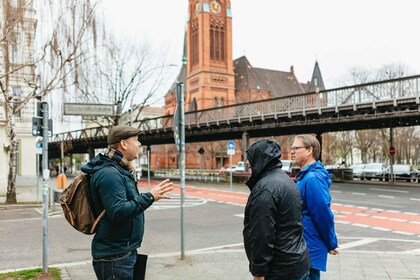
[31, 274]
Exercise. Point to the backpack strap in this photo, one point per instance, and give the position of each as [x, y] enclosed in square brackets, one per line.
[92, 230]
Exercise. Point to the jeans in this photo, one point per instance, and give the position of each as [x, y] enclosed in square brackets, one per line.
[120, 267]
[314, 274]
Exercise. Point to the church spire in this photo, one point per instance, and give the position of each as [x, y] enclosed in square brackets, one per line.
[317, 83]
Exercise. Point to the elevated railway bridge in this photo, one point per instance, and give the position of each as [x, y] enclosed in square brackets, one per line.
[382, 104]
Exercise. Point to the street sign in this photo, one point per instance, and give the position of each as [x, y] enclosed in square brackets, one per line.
[392, 151]
[83, 109]
[39, 147]
[230, 148]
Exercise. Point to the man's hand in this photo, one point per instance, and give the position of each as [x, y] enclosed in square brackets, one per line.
[259, 277]
[333, 252]
[161, 189]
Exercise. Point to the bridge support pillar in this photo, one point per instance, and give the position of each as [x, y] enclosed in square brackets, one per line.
[245, 143]
[319, 138]
[91, 153]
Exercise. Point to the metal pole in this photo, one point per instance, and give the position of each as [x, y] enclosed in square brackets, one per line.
[62, 164]
[37, 178]
[230, 169]
[391, 168]
[148, 166]
[45, 177]
[180, 89]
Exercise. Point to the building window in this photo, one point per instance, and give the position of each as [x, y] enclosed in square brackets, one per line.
[16, 95]
[217, 40]
[194, 44]
[15, 48]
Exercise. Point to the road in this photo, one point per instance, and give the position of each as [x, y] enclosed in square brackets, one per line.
[368, 218]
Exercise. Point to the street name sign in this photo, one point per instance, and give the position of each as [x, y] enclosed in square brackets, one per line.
[83, 109]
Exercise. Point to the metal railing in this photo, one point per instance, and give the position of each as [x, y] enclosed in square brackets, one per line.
[394, 90]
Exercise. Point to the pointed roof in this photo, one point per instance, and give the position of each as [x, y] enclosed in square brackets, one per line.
[278, 83]
[316, 81]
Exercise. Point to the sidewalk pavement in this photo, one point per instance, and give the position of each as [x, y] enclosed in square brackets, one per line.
[231, 263]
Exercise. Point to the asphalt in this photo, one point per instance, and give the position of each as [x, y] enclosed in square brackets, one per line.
[231, 263]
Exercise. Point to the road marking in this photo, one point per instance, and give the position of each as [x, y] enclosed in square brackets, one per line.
[240, 215]
[386, 196]
[357, 193]
[381, 228]
[361, 225]
[357, 243]
[403, 232]
[385, 190]
[415, 199]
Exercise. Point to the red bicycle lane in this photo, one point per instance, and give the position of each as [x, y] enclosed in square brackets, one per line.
[230, 197]
[401, 222]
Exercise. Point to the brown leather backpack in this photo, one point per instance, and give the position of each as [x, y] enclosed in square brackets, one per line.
[76, 203]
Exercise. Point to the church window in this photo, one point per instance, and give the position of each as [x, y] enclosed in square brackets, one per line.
[217, 40]
[194, 44]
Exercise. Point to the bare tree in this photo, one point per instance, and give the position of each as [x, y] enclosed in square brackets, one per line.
[72, 26]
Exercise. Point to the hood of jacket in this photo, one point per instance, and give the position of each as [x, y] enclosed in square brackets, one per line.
[263, 156]
[316, 168]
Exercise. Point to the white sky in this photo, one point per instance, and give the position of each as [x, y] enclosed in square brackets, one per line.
[276, 34]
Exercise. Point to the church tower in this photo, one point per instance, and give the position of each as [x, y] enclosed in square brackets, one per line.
[210, 80]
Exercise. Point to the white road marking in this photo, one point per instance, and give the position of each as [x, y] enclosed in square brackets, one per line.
[358, 243]
[386, 196]
[357, 193]
[385, 190]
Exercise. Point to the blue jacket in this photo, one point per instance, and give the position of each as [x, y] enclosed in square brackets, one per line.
[113, 188]
[314, 182]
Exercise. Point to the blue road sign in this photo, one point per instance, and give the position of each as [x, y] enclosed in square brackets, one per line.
[231, 145]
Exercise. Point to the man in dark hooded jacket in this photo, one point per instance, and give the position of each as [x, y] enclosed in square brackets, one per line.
[273, 233]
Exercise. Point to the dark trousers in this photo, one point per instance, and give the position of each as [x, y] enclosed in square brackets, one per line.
[119, 267]
[314, 274]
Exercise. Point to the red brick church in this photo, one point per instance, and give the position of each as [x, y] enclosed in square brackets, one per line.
[212, 78]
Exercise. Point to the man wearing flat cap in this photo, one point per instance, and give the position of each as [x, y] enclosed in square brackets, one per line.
[113, 188]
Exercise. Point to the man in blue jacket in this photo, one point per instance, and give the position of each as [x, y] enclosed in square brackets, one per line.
[313, 181]
[273, 232]
[112, 187]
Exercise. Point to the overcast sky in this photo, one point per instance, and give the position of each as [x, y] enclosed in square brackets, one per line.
[276, 34]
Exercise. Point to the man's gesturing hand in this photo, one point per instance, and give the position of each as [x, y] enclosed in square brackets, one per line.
[161, 189]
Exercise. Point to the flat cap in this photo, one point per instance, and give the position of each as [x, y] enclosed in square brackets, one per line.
[121, 132]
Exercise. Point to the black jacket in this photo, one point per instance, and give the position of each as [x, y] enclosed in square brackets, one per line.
[273, 233]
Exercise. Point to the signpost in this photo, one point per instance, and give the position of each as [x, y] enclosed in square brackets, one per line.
[230, 152]
[179, 135]
[392, 151]
[38, 153]
[83, 109]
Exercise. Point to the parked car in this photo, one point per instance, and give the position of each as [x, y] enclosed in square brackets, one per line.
[404, 172]
[287, 166]
[376, 170]
[240, 167]
[358, 170]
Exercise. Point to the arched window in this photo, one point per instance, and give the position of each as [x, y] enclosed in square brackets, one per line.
[217, 40]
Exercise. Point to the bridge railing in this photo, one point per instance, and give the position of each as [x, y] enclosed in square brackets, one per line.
[388, 90]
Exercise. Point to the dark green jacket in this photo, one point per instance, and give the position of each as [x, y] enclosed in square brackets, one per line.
[121, 229]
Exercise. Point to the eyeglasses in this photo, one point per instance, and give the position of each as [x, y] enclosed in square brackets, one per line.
[296, 148]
